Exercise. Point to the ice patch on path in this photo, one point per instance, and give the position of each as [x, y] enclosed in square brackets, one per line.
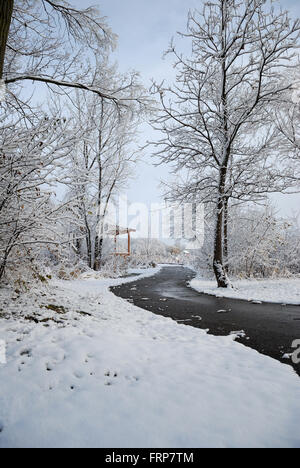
[283, 291]
[124, 377]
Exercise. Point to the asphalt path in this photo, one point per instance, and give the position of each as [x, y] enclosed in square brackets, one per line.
[268, 328]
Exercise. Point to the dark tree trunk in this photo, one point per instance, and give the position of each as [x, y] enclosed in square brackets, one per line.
[98, 253]
[4, 262]
[6, 10]
[219, 269]
[3, 267]
[78, 245]
[226, 221]
[89, 251]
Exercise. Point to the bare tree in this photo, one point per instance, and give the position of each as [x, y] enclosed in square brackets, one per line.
[254, 172]
[29, 159]
[221, 93]
[100, 165]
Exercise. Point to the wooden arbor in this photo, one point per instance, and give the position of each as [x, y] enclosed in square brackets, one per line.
[119, 231]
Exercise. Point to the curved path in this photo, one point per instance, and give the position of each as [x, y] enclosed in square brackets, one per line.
[269, 328]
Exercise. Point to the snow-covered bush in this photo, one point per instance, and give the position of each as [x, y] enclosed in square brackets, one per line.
[31, 150]
[150, 252]
[256, 238]
[261, 244]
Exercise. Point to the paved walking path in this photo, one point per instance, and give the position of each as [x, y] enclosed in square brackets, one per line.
[269, 328]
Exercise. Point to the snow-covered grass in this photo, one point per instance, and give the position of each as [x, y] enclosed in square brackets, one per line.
[122, 277]
[282, 291]
[124, 377]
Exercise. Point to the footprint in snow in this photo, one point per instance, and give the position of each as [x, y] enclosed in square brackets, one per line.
[26, 352]
[88, 357]
[111, 374]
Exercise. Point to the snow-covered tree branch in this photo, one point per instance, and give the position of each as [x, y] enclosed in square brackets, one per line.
[58, 45]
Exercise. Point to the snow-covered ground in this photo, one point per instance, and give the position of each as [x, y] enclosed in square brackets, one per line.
[282, 291]
[124, 377]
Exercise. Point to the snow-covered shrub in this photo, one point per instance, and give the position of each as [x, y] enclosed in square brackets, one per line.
[261, 244]
[29, 156]
[149, 252]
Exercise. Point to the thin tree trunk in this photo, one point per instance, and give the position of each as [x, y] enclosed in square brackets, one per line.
[4, 262]
[6, 10]
[3, 266]
[89, 250]
[98, 253]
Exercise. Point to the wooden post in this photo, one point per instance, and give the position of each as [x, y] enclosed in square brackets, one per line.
[129, 243]
[115, 256]
[6, 10]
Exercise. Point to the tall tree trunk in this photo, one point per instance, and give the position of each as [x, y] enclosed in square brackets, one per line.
[226, 233]
[6, 10]
[219, 269]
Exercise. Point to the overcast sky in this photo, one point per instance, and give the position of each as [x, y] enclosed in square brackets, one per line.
[145, 28]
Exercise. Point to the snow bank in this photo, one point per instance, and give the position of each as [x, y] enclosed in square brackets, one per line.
[124, 377]
[132, 275]
[283, 291]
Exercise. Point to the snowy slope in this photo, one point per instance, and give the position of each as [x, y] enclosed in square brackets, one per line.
[124, 377]
[282, 291]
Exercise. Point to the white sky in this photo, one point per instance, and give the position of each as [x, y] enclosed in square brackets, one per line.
[145, 28]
